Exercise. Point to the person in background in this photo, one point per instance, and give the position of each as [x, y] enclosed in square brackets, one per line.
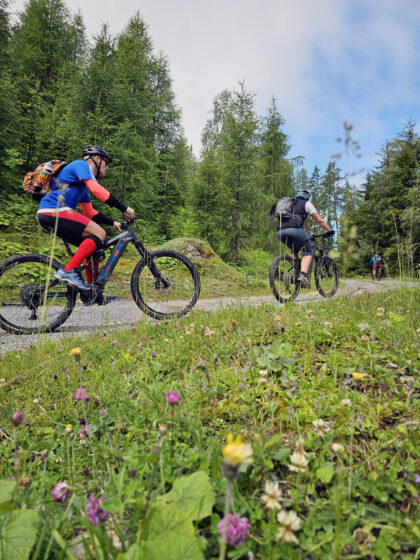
[296, 237]
[377, 262]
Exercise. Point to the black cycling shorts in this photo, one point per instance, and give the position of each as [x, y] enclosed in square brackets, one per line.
[70, 226]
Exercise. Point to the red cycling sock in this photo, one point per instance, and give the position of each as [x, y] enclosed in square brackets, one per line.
[86, 248]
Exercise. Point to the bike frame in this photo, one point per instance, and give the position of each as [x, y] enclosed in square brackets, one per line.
[120, 241]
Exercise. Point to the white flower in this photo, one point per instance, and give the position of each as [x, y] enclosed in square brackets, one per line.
[346, 402]
[299, 462]
[263, 372]
[289, 522]
[337, 447]
[321, 428]
[272, 495]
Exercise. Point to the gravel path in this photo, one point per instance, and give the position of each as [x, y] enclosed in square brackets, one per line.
[123, 313]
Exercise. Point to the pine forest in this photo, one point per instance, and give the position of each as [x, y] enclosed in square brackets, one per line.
[59, 91]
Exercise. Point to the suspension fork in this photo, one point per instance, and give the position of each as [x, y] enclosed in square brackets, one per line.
[151, 265]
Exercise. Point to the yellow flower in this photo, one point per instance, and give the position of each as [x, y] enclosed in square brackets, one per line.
[75, 352]
[358, 376]
[127, 355]
[68, 427]
[236, 452]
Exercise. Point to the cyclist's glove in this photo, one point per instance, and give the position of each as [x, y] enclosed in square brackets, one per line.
[329, 233]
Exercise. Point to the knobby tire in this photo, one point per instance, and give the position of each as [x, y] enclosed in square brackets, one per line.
[326, 276]
[174, 299]
[26, 306]
[282, 277]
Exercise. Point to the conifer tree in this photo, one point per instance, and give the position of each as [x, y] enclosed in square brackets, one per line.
[7, 108]
[232, 133]
[388, 216]
[331, 199]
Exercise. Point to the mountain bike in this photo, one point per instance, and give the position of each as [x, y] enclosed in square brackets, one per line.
[164, 284]
[378, 273]
[285, 269]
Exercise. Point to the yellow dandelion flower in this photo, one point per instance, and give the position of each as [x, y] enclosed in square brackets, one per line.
[358, 376]
[236, 452]
[68, 427]
[75, 352]
[127, 355]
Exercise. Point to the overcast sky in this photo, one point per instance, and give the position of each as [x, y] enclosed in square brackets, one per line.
[324, 61]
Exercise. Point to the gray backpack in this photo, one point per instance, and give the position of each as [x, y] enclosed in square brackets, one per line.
[284, 209]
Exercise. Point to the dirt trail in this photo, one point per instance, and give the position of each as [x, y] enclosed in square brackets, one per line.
[123, 313]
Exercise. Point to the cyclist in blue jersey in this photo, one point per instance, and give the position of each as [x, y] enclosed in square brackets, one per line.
[57, 211]
[377, 262]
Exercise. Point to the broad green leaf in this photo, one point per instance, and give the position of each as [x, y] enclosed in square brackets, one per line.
[192, 494]
[18, 534]
[282, 349]
[6, 490]
[168, 546]
[325, 473]
[274, 441]
[173, 546]
[395, 318]
[282, 454]
[133, 553]
[163, 518]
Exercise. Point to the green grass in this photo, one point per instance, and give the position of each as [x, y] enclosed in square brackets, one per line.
[358, 503]
[218, 279]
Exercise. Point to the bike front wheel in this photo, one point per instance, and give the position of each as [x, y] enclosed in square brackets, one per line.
[31, 300]
[165, 284]
[326, 276]
[282, 276]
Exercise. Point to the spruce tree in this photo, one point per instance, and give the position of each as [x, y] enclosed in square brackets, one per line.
[232, 133]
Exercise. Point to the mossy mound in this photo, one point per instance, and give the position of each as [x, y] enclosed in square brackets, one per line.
[194, 249]
[204, 257]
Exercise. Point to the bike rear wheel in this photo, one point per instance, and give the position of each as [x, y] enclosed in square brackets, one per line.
[165, 284]
[282, 276]
[326, 276]
[29, 304]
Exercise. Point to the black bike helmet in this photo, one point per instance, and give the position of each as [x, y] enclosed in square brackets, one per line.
[89, 151]
[303, 193]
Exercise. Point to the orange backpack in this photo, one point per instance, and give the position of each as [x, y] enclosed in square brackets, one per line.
[38, 183]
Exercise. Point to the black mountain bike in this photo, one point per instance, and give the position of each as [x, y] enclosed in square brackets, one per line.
[285, 269]
[164, 284]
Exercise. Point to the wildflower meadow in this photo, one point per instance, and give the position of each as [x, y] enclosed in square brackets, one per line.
[248, 433]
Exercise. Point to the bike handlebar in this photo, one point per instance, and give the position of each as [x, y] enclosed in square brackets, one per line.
[125, 224]
[324, 235]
